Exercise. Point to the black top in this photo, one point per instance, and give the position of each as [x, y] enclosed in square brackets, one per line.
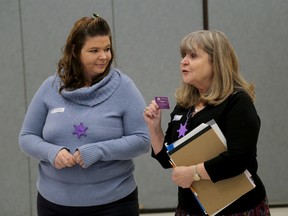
[240, 124]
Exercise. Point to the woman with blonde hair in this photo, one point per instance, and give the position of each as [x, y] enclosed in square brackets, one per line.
[212, 88]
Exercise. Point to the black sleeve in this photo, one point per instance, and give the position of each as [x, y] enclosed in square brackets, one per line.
[240, 125]
[162, 157]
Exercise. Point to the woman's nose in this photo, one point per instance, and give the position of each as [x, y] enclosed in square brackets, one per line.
[184, 61]
[103, 55]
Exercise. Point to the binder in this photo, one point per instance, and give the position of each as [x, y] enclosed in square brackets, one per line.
[199, 145]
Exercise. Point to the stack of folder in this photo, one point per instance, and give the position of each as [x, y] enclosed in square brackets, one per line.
[201, 144]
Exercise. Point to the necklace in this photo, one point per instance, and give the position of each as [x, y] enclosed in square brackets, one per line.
[200, 107]
[183, 127]
[79, 129]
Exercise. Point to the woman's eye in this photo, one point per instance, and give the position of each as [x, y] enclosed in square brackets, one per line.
[183, 55]
[193, 55]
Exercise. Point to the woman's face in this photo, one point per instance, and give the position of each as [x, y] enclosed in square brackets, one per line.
[197, 70]
[95, 56]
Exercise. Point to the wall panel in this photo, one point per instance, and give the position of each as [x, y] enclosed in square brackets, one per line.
[14, 177]
[258, 30]
[148, 35]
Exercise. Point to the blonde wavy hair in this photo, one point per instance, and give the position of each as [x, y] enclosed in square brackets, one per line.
[226, 76]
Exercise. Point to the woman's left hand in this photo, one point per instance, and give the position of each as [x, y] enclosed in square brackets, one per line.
[182, 176]
[78, 158]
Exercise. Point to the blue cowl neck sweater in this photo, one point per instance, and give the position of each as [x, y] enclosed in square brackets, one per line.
[113, 133]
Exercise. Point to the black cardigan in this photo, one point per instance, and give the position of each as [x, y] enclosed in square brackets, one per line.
[240, 124]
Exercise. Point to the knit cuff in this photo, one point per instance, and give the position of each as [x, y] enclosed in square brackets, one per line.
[52, 153]
[90, 155]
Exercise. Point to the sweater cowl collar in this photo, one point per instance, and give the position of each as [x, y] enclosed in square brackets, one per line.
[99, 92]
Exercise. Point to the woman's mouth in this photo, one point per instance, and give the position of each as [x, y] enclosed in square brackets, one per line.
[185, 71]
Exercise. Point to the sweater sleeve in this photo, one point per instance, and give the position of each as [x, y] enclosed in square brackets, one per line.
[135, 140]
[162, 157]
[240, 125]
[31, 140]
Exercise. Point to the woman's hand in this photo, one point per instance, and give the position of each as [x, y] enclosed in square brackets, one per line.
[152, 116]
[183, 176]
[64, 159]
[78, 158]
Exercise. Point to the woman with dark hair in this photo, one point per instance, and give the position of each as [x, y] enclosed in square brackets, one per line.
[212, 88]
[82, 129]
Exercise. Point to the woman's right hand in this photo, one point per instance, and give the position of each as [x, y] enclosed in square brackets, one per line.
[152, 116]
[64, 159]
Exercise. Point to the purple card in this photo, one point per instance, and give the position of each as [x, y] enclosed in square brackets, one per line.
[162, 102]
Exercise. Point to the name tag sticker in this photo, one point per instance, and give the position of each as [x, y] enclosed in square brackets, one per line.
[177, 117]
[57, 110]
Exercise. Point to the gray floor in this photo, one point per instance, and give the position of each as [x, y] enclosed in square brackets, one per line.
[274, 212]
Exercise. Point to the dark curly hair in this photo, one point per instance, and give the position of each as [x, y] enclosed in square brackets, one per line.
[70, 67]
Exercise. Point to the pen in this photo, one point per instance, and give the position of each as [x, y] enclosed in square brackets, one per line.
[192, 189]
